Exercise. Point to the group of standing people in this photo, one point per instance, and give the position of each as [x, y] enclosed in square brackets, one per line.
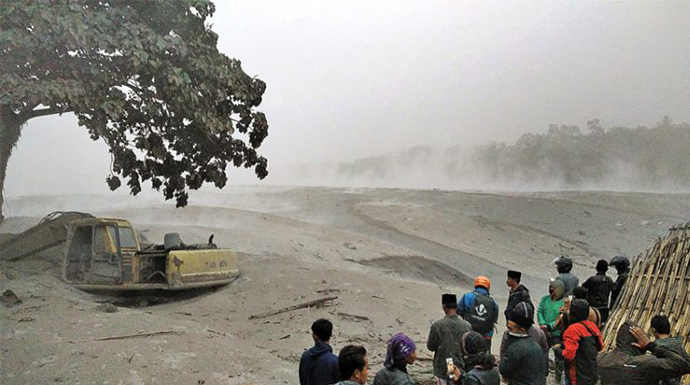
[568, 326]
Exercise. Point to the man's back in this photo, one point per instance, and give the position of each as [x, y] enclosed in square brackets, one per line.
[444, 340]
[570, 281]
[523, 362]
[520, 294]
[599, 288]
[318, 366]
[677, 345]
[480, 310]
[627, 365]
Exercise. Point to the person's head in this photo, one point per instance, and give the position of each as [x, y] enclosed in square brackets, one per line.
[514, 278]
[661, 327]
[563, 264]
[472, 343]
[625, 340]
[449, 303]
[322, 329]
[579, 310]
[400, 352]
[353, 364]
[475, 351]
[621, 263]
[521, 316]
[482, 281]
[580, 292]
[556, 289]
[602, 266]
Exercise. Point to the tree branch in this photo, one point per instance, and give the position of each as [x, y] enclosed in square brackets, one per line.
[42, 112]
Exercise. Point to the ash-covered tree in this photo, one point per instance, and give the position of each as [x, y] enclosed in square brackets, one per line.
[144, 76]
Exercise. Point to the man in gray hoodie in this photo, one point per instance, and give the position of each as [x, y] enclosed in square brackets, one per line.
[564, 266]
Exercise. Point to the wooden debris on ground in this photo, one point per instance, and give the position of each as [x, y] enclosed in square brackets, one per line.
[317, 302]
[355, 316]
[128, 336]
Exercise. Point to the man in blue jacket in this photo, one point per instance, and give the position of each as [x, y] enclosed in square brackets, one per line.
[318, 365]
[479, 309]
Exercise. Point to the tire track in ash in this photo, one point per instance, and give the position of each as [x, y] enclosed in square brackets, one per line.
[465, 262]
[575, 244]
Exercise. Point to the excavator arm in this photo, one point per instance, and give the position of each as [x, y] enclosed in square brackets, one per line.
[50, 231]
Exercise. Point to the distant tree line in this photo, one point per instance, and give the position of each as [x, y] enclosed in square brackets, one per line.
[653, 158]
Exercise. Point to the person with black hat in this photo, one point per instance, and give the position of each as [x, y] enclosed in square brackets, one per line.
[564, 266]
[518, 293]
[599, 289]
[522, 361]
[443, 339]
[581, 344]
[622, 265]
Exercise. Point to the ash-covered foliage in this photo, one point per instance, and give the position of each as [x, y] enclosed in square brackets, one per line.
[144, 76]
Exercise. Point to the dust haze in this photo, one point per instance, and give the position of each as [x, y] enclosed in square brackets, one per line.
[412, 147]
[389, 95]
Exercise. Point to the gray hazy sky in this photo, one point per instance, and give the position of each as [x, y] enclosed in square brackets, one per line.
[349, 79]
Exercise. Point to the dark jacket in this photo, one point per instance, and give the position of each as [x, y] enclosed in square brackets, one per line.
[523, 362]
[480, 369]
[675, 344]
[319, 366]
[599, 288]
[392, 376]
[536, 333]
[444, 338]
[581, 343]
[482, 376]
[521, 294]
[620, 282]
[628, 365]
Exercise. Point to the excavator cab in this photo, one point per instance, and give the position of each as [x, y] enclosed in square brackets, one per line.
[99, 251]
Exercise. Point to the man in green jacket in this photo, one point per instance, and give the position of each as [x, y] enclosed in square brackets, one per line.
[547, 315]
[444, 337]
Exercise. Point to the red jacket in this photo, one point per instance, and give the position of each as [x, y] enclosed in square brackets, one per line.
[581, 343]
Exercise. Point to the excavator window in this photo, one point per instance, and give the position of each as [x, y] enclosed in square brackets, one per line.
[127, 239]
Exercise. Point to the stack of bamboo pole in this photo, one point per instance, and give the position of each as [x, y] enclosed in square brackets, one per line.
[659, 283]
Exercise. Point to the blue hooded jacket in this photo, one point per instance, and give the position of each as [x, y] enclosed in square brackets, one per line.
[466, 303]
[319, 366]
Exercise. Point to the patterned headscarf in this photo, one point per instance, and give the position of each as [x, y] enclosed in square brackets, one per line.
[399, 348]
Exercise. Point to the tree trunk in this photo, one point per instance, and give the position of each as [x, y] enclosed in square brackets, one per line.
[10, 130]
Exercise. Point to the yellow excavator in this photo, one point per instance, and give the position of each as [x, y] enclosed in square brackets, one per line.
[106, 254]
